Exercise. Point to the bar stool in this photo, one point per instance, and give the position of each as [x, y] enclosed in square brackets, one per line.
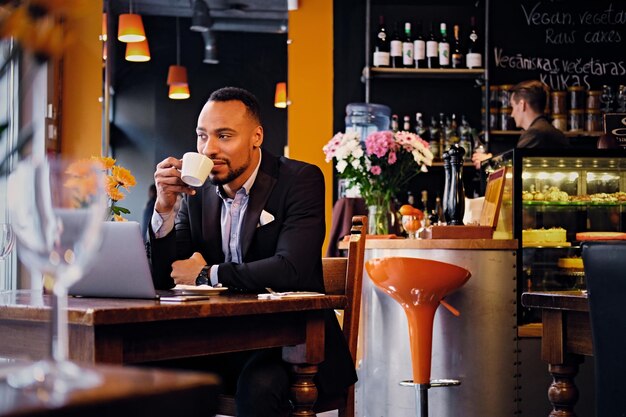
[418, 285]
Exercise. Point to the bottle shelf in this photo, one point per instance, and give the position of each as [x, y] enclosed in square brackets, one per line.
[567, 134]
[424, 73]
[439, 163]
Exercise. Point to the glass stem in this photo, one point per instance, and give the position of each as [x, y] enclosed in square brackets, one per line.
[60, 337]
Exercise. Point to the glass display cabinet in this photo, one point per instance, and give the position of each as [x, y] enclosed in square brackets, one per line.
[551, 197]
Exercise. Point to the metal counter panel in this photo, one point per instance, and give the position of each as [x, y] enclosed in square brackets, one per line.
[479, 347]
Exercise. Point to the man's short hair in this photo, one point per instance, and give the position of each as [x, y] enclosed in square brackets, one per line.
[239, 94]
[534, 93]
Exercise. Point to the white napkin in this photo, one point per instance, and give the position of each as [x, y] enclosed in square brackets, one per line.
[265, 218]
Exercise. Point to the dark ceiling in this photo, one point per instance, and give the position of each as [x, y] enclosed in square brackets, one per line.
[264, 16]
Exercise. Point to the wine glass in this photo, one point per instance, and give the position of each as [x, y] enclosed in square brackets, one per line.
[57, 209]
[7, 240]
[411, 224]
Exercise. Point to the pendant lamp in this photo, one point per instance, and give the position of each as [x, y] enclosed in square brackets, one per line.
[138, 51]
[130, 27]
[103, 35]
[280, 97]
[179, 92]
[177, 74]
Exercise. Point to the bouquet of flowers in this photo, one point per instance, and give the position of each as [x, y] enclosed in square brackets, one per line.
[117, 177]
[381, 168]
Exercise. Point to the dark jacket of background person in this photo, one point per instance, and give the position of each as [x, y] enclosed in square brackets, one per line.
[541, 134]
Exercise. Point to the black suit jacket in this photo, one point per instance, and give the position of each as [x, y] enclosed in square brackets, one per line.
[541, 134]
[284, 254]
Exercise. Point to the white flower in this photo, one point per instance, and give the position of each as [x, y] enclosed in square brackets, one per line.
[341, 166]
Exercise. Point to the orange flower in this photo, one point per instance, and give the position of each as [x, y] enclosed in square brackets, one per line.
[82, 187]
[112, 190]
[106, 162]
[123, 177]
[118, 218]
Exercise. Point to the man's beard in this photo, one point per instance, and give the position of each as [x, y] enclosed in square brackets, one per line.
[231, 175]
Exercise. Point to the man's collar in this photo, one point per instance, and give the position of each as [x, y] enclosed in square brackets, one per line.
[247, 186]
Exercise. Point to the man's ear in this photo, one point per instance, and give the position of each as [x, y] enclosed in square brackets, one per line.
[258, 137]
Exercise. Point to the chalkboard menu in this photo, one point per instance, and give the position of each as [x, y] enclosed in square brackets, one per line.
[562, 43]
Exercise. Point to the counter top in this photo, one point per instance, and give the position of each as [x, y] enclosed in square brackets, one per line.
[473, 244]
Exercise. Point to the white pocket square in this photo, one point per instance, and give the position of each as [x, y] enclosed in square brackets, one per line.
[265, 218]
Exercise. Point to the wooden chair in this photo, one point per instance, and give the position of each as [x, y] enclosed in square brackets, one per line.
[342, 276]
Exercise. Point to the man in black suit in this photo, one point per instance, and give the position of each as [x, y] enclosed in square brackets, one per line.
[258, 223]
[528, 100]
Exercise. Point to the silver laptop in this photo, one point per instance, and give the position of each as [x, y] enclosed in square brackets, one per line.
[121, 268]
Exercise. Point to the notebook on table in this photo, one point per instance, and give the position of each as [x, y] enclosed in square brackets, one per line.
[121, 270]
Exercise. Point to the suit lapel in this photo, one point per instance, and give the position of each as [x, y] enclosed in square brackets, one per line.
[211, 223]
[259, 194]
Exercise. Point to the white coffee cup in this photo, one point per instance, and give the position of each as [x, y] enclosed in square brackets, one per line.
[196, 168]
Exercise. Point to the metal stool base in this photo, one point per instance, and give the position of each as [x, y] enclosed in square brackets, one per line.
[434, 383]
[421, 392]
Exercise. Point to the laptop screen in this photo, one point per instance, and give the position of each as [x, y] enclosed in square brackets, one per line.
[121, 268]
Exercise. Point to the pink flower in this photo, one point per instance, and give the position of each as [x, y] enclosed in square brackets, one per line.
[392, 158]
[379, 143]
[375, 170]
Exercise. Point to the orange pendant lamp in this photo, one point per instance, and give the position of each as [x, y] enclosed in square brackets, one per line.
[138, 51]
[280, 96]
[130, 27]
[177, 74]
[179, 92]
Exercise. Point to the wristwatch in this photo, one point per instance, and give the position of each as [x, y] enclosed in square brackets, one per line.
[203, 276]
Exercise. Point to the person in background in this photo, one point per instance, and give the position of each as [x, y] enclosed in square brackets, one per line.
[528, 100]
[147, 211]
[259, 222]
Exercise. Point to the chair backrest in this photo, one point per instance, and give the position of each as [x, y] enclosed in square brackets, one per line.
[344, 276]
[605, 275]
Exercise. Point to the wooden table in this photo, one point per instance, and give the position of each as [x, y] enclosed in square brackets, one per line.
[134, 331]
[123, 392]
[566, 339]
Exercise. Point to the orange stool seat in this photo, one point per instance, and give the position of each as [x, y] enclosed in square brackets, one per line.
[418, 285]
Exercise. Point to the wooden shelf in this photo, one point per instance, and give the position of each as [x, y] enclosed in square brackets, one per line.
[567, 134]
[440, 164]
[424, 73]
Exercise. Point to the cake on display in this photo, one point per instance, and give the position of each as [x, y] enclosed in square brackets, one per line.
[545, 237]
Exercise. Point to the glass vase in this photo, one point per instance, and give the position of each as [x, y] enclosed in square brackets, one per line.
[379, 215]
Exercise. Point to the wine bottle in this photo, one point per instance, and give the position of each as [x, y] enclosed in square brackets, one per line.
[444, 48]
[419, 48]
[395, 51]
[406, 125]
[420, 129]
[407, 47]
[394, 123]
[381, 47]
[457, 55]
[473, 58]
[432, 49]
[433, 134]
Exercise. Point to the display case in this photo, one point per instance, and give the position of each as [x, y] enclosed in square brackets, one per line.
[553, 196]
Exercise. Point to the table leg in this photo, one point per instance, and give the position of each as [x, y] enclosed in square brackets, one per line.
[563, 393]
[303, 391]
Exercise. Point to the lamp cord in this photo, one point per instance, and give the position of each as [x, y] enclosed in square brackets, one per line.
[177, 41]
